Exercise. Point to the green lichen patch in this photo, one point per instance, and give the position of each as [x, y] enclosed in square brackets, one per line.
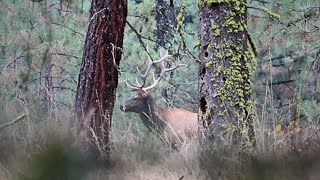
[180, 17]
[210, 2]
[234, 26]
[219, 56]
[209, 64]
[270, 13]
[215, 30]
[237, 85]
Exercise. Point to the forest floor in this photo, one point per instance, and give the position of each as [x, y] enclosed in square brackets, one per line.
[47, 150]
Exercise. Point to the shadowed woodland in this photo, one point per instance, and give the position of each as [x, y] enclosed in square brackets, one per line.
[250, 69]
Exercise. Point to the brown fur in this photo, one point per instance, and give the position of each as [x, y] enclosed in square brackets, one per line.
[173, 125]
[184, 122]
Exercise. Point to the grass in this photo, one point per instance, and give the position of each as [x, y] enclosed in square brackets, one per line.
[47, 150]
[40, 147]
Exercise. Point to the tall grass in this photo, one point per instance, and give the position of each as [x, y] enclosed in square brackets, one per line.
[47, 148]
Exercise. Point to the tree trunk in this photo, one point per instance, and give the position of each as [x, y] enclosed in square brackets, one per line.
[166, 21]
[227, 62]
[48, 66]
[98, 78]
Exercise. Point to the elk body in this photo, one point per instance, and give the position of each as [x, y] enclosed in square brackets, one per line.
[174, 126]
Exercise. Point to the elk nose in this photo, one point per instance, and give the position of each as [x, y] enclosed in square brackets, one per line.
[123, 108]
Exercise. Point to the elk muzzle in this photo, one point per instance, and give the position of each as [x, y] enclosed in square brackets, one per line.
[123, 108]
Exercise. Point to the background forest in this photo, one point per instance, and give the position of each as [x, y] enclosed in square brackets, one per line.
[41, 47]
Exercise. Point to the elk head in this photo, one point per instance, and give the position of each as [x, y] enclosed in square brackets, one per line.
[143, 102]
[138, 103]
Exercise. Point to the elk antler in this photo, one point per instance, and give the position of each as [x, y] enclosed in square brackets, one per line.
[144, 75]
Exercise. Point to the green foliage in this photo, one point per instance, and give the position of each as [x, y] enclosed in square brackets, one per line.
[142, 16]
[33, 34]
[290, 45]
[25, 38]
[30, 33]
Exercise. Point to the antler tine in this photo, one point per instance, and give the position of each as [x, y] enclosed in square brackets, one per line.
[144, 75]
[150, 63]
[139, 85]
[132, 86]
[175, 67]
[162, 58]
[162, 73]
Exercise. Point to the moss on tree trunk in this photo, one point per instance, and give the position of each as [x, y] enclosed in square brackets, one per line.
[226, 65]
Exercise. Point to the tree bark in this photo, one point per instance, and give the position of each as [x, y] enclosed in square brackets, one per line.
[166, 21]
[48, 67]
[98, 78]
[227, 62]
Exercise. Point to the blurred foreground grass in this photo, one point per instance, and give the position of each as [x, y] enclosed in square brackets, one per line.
[48, 150]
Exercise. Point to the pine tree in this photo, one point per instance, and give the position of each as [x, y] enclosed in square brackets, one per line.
[226, 64]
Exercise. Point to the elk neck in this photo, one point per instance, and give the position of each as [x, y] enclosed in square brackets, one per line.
[151, 116]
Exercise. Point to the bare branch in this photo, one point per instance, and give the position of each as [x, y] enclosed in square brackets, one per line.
[58, 24]
[19, 118]
[95, 14]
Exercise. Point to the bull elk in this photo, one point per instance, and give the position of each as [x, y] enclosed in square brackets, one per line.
[174, 126]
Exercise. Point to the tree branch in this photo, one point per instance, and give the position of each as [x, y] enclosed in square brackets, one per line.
[58, 24]
[19, 118]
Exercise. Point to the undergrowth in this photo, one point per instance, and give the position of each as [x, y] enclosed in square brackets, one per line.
[49, 149]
